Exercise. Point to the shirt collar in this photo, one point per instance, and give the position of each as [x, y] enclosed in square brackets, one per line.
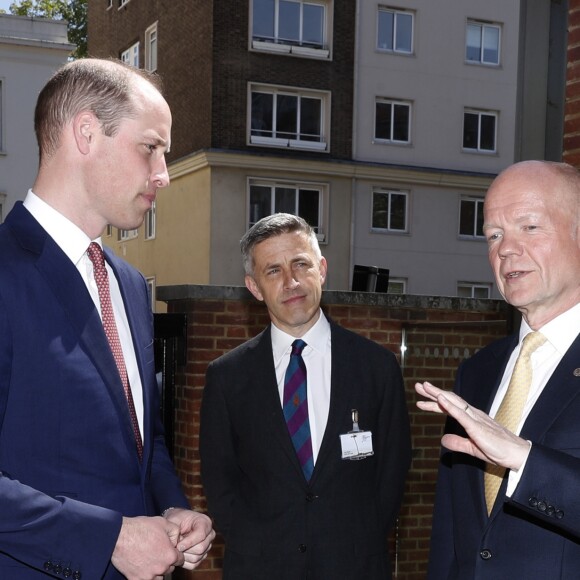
[316, 338]
[69, 237]
[561, 331]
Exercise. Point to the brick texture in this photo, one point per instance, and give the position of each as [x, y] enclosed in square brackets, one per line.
[436, 340]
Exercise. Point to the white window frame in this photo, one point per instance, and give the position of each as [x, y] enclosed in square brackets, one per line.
[397, 13]
[394, 103]
[389, 193]
[151, 44]
[152, 290]
[126, 235]
[297, 47]
[473, 287]
[131, 55]
[123, 2]
[484, 27]
[109, 4]
[321, 228]
[285, 142]
[480, 114]
[397, 286]
[108, 231]
[478, 212]
[151, 222]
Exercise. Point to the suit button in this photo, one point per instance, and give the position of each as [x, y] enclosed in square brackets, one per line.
[77, 575]
[533, 502]
[47, 566]
[559, 514]
[542, 506]
[302, 548]
[310, 497]
[67, 572]
[550, 510]
[57, 569]
[485, 554]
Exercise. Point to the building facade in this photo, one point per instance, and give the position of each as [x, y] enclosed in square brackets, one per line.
[31, 49]
[380, 123]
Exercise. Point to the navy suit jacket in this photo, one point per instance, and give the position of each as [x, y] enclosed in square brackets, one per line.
[275, 523]
[69, 469]
[535, 534]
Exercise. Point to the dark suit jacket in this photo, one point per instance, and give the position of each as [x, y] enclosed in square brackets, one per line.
[276, 524]
[69, 468]
[536, 533]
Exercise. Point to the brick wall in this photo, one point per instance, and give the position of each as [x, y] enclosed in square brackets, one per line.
[571, 152]
[438, 334]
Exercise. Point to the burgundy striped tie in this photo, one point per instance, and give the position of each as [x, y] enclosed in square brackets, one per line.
[296, 408]
[96, 256]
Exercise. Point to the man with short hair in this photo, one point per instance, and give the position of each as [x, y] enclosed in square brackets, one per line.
[292, 479]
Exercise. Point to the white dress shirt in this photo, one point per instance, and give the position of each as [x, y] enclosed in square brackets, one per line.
[560, 334]
[317, 358]
[74, 243]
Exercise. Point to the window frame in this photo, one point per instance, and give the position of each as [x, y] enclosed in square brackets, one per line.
[393, 103]
[397, 281]
[123, 3]
[473, 287]
[397, 12]
[151, 38]
[323, 145]
[130, 56]
[150, 222]
[321, 228]
[483, 26]
[480, 113]
[478, 212]
[126, 235]
[389, 193]
[152, 287]
[298, 47]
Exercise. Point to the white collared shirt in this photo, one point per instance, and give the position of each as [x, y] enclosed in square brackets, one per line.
[317, 358]
[74, 243]
[560, 334]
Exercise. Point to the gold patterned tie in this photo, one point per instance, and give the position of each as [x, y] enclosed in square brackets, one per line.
[509, 413]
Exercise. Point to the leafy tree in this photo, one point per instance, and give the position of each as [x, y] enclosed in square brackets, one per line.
[74, 11]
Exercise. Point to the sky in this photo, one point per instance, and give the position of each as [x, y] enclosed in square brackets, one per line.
[5, 4]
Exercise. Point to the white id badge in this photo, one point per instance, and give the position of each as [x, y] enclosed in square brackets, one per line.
[356, 444]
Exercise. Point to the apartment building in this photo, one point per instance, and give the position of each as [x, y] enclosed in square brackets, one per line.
[380, 123]
[31, 49]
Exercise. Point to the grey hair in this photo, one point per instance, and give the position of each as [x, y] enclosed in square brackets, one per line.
[270, 226]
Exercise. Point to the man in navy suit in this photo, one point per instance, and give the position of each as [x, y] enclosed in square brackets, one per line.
[281, 520]
[531, 528]
[79, 497]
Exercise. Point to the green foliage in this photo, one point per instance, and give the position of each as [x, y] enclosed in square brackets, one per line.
[73, 11]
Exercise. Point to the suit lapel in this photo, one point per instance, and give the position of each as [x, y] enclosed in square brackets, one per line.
[69, 290]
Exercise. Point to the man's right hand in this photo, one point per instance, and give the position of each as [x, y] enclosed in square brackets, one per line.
[146, 548]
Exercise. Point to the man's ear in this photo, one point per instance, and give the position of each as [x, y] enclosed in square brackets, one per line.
[253, 287]
[323, 269]
[84, 126]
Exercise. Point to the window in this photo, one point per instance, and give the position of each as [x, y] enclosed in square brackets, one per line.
[131, 55]
[291, 26]
[471, 217]
[150, 223]
[473, 290]
[389, 210]
[124, 235]
[151, 289]
[109, 231]
[289, 118]
[392, 121]
[397, 286]
[306, 200]
[109, 4]
[122, 3]
[151, 48]
[395, 30]
[482, 43]
[479, 131]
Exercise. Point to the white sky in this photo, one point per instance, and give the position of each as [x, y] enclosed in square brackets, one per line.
[5, 4]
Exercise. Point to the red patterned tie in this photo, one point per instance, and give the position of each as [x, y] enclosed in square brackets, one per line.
[96, 256]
